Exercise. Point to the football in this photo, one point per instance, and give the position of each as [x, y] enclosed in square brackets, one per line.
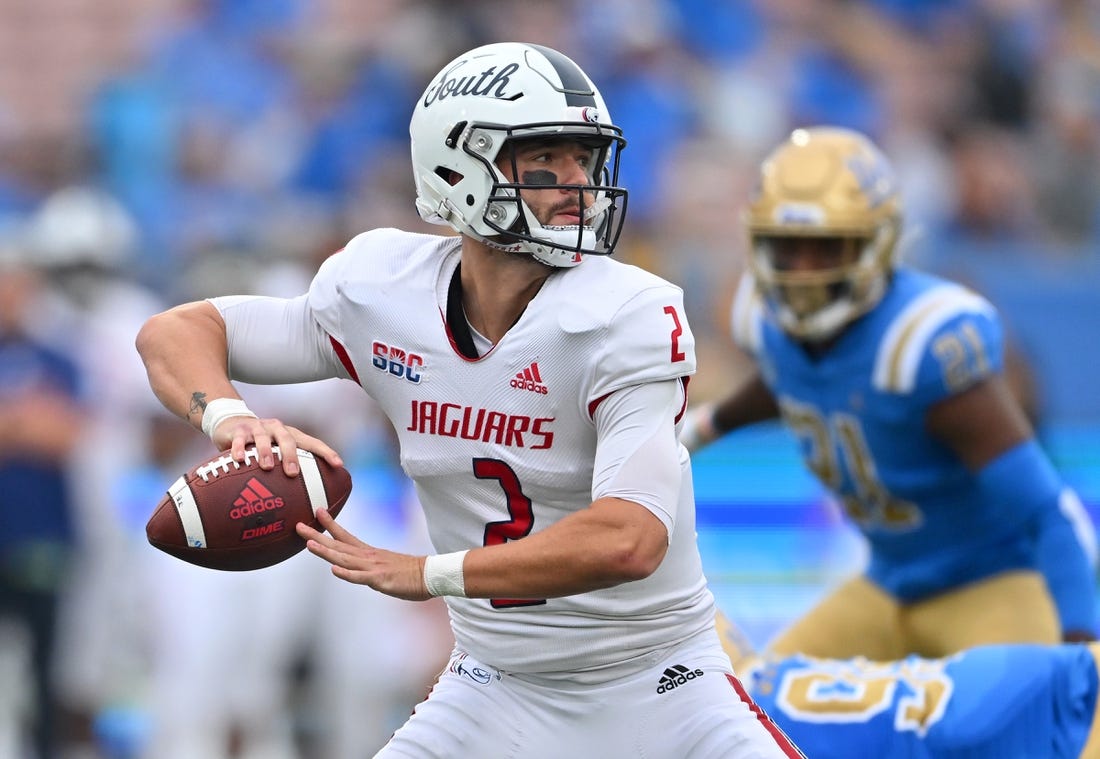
[235, 516]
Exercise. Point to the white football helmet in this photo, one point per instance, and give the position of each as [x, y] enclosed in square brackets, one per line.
[472, 109]
[830, 184]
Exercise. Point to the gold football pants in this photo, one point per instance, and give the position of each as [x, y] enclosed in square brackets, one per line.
[860, 619]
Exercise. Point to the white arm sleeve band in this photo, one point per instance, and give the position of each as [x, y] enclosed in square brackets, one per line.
[638, 455]
[275, 341]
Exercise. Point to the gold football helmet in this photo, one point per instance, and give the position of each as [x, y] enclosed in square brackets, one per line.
[829, 188]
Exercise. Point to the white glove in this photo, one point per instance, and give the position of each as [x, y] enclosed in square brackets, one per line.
[697, 429]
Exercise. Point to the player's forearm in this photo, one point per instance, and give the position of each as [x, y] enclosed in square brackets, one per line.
[1066, 537]
[610, 543]
[185, 355]
[752, 402]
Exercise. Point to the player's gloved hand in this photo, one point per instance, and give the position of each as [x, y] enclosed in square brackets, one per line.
[698, 427]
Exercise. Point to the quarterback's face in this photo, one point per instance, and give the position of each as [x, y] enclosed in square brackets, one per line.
[548, 163]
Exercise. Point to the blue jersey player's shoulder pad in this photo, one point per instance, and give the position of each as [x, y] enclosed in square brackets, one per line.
[940, 340]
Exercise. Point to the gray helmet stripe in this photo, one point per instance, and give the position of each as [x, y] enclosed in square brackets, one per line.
[578, 92]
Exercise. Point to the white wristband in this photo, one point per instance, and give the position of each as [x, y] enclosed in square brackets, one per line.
[443, 574]
[220, 409]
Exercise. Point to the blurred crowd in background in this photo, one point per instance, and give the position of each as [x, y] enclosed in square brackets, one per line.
[158, 151]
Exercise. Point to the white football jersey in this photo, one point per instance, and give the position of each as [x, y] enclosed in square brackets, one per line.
[503, 445]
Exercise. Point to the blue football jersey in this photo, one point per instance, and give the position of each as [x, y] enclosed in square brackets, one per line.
[858, 412]
[1000, 702]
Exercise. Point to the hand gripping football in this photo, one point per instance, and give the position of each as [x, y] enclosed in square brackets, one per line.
[231, 515]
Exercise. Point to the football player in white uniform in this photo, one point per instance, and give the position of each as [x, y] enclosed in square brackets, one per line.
[535, 386]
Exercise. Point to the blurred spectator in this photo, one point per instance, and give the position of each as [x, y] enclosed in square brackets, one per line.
[84, 241]
[995, 203]
[1066, 139]
[41, 422]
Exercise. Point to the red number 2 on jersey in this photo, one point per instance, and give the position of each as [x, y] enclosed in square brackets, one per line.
[677, 330]
[519, 509]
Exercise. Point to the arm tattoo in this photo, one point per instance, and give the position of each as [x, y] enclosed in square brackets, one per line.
[198, 404]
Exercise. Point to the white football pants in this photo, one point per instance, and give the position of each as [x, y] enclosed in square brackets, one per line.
[689, 706]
